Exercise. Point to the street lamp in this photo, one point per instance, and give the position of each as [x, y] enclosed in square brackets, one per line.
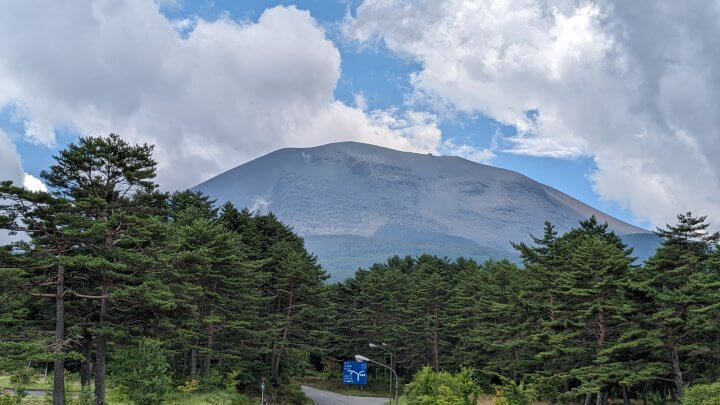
[392, 363]
[360, 357]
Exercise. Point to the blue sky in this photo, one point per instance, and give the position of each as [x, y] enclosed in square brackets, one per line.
[572, 95]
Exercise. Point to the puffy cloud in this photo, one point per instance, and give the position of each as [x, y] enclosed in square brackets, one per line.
[209, 94]
[634, 84]
[32, 183]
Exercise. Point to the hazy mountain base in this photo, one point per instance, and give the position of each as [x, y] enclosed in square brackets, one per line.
[342, 255]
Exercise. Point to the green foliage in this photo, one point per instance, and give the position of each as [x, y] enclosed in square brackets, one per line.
[512, 393]
[702, 394]
[173, 287]
[20, 379]
[292, 394]
[189, 386]
[218, 397]
[548, 387]
[86, 395]
[431, 387]
[141, 373]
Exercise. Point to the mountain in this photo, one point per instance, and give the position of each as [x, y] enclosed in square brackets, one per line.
[356, 204]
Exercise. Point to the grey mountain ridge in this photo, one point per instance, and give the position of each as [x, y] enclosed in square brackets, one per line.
[357, 204]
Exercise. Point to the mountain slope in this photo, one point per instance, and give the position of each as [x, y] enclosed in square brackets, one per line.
[356, 203]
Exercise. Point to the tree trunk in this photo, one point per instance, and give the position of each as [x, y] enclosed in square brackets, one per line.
[59, 363]
[281, 347]
[101, 351]
[193, 362]
[626, 400]
[206, 368]
[185, 362]
[86, 365]
[677, 373]
[588, 399]
[600, 399]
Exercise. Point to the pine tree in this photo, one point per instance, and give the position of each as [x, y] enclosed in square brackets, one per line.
[217, 288]
[498, 342]
[43, 261]
[427, 310]
[683, 293]
[471, 282]
[104, 180]
[299, 294]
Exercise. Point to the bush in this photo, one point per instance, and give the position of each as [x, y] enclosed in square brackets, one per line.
[217, 397]
[442, 388]
[141, 373]
[213, 381]
[189, 387]
[511, 393]
[292, 394]
[20, 379]
[702, 394]
[6, 399]
[86, 395]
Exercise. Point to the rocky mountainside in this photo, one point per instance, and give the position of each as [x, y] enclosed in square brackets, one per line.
[357, 204]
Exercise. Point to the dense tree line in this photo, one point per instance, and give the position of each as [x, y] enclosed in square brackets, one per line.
[111, 273]
[580, 320]
[107, 260]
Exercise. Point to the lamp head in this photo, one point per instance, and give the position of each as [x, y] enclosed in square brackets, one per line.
[359, 357]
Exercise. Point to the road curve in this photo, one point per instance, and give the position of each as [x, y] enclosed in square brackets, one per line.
[320, 397]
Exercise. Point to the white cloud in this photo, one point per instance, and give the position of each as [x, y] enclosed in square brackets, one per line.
[209, 94]
[480, 155]
[260, 204]
[32, 183]
[633, 84]
[10, 167]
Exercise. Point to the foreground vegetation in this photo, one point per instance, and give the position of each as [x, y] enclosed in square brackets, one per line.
[151, 289]
[579, 322]
[152, 297]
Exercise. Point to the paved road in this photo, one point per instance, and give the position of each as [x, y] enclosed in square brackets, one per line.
[321, 397]
[31, 393]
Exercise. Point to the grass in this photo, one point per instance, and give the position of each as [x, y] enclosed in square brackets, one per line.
[488, 400]
[204, 398]
[39, 383]
[402, 399]
[482, 401]
[217, 397]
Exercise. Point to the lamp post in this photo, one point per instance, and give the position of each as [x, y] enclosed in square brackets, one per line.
[360, 357]
[386, 347]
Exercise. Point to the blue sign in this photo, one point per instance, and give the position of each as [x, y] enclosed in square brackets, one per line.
[355, 372]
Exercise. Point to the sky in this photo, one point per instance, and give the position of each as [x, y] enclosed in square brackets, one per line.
[615, 103]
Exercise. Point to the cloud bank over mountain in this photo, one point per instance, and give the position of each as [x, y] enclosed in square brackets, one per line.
[633, 84]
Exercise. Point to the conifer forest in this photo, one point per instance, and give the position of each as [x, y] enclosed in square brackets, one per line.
[148, 295]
